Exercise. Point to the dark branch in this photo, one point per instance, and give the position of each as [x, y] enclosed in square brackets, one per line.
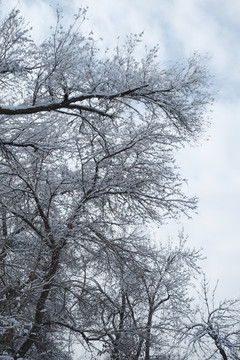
[66, 103]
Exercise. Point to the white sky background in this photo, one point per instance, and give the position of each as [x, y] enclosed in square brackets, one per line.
[180, 27]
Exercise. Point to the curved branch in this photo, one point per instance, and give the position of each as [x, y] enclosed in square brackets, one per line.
[66, 103]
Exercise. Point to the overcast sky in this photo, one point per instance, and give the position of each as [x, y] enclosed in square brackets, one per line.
[181, 27]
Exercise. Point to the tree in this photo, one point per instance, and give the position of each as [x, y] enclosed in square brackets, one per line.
[87, 153]
[140, 303]
[214, 328]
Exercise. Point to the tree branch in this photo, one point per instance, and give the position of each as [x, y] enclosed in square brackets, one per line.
[66, 103]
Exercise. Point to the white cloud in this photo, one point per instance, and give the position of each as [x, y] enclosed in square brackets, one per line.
[213, 171]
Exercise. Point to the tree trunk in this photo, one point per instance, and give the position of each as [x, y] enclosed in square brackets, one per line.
[116, 352]
[148, 334]
[33, 334]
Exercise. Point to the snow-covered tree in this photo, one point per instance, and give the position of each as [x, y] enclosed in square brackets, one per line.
[87, 152]
[213, 330]
[140, 304]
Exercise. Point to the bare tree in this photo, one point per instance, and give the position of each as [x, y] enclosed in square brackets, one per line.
[214, 330]
[138, 304]
[87, 152]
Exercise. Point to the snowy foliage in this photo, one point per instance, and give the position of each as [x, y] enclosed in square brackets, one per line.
[87, 157]
[213, 329]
